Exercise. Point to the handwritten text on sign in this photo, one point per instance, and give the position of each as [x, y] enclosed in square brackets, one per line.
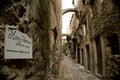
[17, 45]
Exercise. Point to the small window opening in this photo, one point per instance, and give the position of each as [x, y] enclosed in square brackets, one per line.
[117, 3]
[114, 44]
[92, 2]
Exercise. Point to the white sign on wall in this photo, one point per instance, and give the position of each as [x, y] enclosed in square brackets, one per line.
[17, 45]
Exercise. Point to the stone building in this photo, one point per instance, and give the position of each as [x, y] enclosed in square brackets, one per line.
[95, 39]
[41, 20]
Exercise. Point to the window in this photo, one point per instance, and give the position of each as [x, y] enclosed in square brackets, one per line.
[117, 3]
[114, 44]
[92, 2]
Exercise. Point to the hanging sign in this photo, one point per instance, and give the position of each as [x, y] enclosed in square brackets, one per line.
[17, 45]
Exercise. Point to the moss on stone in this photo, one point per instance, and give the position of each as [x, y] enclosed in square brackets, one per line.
[44, 24]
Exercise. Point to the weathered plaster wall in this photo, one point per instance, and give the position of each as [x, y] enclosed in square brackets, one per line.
[44, 26]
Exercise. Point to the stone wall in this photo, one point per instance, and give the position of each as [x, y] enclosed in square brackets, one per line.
[102, 21]
[43, 23]
[55, 36]
[105, 23]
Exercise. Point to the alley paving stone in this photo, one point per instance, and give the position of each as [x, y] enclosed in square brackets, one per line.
[74, 71]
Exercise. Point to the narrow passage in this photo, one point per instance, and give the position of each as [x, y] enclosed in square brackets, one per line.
[74, 71]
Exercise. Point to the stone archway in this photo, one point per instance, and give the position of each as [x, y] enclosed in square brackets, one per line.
[69, 10]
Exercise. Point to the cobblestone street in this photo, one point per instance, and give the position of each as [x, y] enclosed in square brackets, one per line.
[73, 71]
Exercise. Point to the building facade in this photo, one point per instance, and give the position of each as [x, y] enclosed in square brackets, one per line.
[95, 39]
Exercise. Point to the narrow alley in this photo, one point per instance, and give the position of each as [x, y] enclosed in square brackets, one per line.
[71, 70]
[59, 39]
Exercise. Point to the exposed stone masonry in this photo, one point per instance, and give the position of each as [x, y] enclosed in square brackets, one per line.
[43, 24]
[100, 21]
